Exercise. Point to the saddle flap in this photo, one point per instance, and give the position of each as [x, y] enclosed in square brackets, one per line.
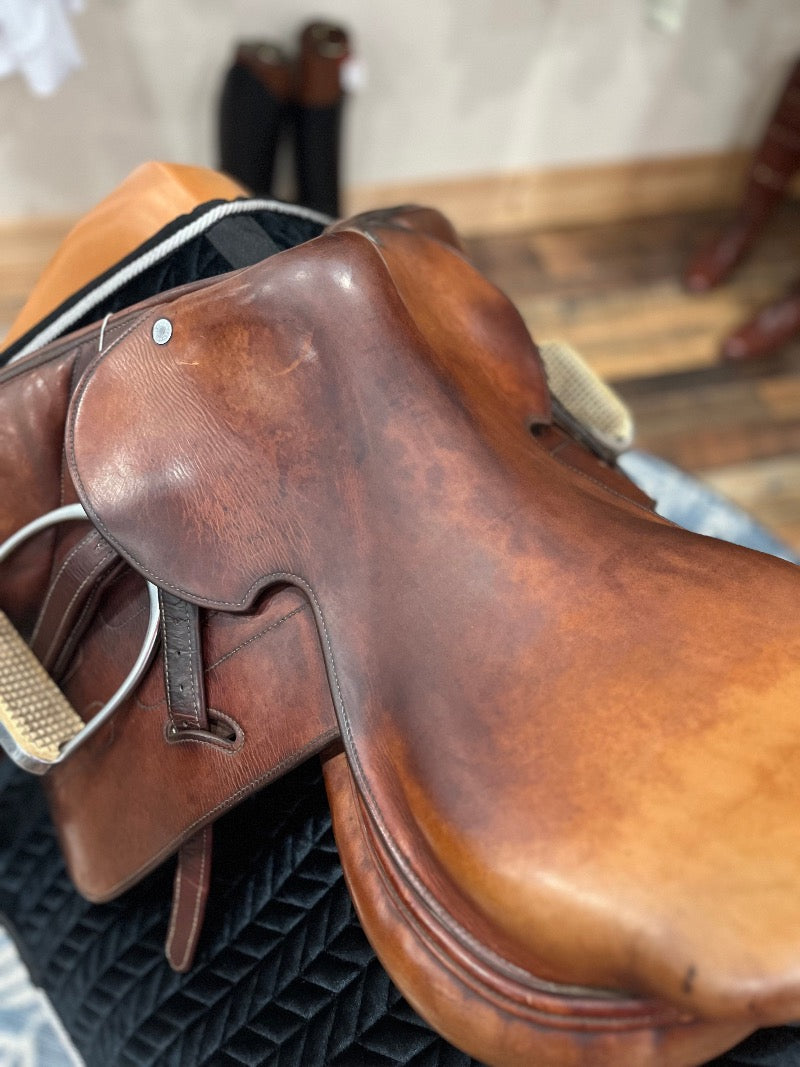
[186, 432]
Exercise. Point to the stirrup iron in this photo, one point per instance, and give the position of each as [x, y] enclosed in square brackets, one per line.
[38, 726]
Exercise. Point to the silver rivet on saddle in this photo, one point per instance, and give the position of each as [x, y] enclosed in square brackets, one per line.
[162, 331]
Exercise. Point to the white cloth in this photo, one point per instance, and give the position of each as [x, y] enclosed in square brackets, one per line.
[37, 41]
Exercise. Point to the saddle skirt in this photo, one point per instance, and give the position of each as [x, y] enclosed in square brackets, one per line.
[557, 732]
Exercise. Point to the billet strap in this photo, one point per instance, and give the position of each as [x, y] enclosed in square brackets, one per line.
[241, 241]
[189, 896]
[186, 700]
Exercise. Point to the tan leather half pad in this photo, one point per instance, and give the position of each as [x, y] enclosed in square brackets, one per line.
[152, 196]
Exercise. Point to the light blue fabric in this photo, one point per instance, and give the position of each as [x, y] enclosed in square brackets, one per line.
[689, 503]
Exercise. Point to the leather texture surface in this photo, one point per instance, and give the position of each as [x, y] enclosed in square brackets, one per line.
[103, 860]
[103, 966]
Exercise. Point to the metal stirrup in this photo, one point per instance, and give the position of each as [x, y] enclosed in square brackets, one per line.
[38, 726]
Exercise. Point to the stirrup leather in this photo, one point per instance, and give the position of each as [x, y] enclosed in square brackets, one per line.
[38, 726]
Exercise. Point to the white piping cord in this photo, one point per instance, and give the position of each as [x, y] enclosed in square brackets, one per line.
[155, 255]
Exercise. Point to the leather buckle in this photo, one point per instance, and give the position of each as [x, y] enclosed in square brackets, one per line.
[38, 727]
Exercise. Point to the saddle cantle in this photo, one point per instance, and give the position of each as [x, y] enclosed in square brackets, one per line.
[557, 732]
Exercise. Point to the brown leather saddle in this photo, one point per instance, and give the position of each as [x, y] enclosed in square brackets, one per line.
[327, 505]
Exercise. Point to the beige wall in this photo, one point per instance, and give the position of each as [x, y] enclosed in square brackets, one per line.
[455, 87]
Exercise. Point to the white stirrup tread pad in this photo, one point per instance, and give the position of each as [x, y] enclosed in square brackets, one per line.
[586, 397]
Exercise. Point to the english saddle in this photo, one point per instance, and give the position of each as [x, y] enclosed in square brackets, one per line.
[327, 505]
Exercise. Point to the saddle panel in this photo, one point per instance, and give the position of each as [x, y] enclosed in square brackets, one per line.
[513, 1024]
[269, 705]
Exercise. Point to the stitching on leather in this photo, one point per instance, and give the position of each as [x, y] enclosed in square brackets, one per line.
[295, 759]
[554, 455]
[274, 576]
[86, 581]
[51, 589]
[173, 916]
[40, 357]
[73, 382]
[614, 492]
[131, 325]
[391, 845]
[72, 670]
[199, 894]
[62, 476]
[165, 646]
[256, 637]
[58, 662]
[126, 619]
[89, 607]
[194, 654]
[200, 735]
[74, 390]
[273, 626]
[443, 958]
[197, 903]
[195, 663]
[560, 448]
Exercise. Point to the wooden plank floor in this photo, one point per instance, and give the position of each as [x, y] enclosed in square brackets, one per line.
[614, 292]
